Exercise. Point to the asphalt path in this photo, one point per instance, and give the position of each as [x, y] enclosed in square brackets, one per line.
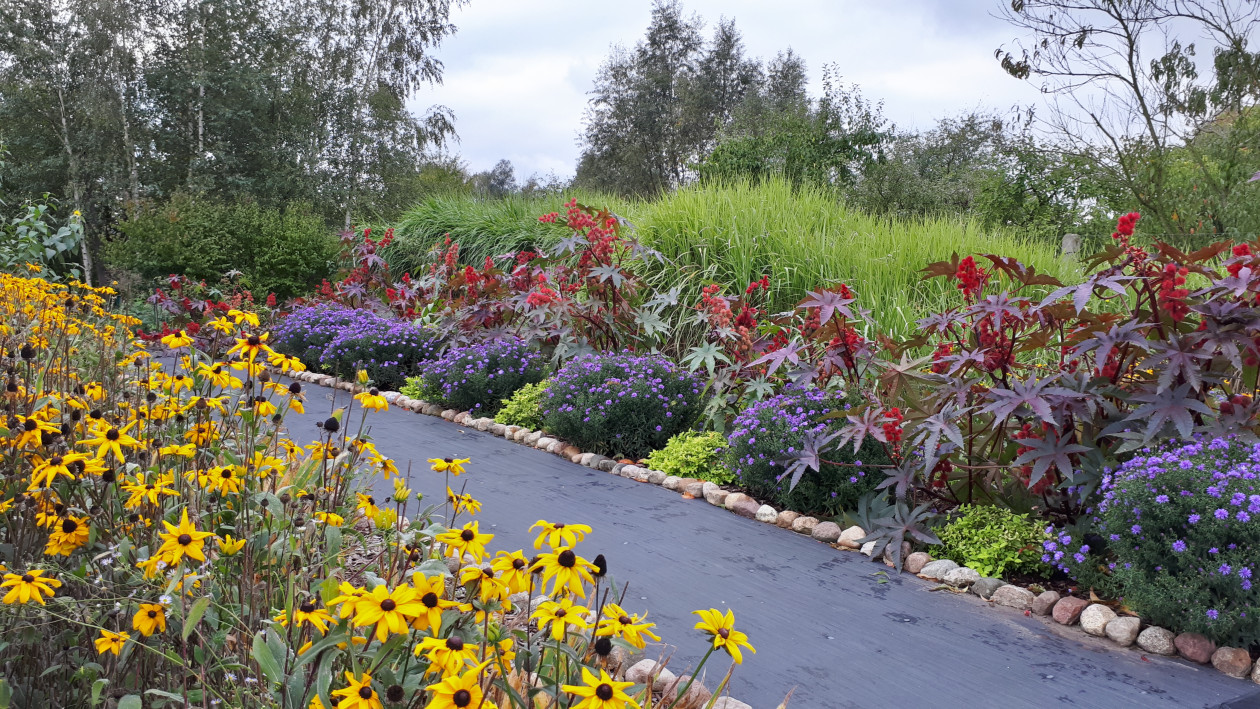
[835, 627]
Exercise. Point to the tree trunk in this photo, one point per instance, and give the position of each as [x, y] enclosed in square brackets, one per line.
[76, 189]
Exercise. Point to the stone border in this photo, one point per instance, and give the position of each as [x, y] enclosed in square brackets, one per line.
[1096, 619]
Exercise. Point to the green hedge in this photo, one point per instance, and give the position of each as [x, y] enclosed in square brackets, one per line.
[282, 251]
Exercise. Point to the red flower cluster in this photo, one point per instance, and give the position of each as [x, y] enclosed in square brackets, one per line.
[715, 306]
[549, 218]
[1124, 227]
[1227, 406]
[542, 296]
[892, 427]
[1171, 294]
[1240, 250]
[971, 278]
[763, 284]
[943, 350]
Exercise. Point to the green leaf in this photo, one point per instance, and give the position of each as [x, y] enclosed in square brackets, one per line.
[97, 687]
[6, 694]
[266, 659]
[131, 701]
[194, 615]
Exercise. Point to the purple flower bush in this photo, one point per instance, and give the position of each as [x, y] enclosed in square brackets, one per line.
[1176, 534]
[623, 404]
[772, 430]
[341, 340]
[479, 377]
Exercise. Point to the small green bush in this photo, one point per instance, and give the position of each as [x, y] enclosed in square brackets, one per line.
[524, 408]
[993, 541]
[413, 387]
[692, 454]
[282, 251]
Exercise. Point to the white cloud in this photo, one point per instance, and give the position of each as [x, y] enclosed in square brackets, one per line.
[517, 74]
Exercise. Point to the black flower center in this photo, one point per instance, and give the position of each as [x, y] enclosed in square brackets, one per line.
[724, 633]
[27, 578]
[624, 620]
[603, 647]
[455, 643]
[430, 600]
[566, 559]
[112, 435]
[462, 698]
[254, 341]
[365, 692]
[69, 526]
[388, 605]
[152, 614]
[226, 474]
[488, 573]
[449, 460]
[560, 612]
[604, 691]
[560, 526]
[184, 539]
[467, 535]
[30, 425]
[518, 563]
[307, 607]
[55, 460]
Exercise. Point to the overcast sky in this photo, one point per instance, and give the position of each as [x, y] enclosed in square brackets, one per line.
[518, 72]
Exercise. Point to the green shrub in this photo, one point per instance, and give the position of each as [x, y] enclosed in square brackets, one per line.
[775, 428]
[524, 408]
[692, 454]
[413, 388]
[479, 376]
[282, 251]
[622, 404]
[993, 541]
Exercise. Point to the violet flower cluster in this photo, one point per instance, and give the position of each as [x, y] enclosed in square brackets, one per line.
[480, 376]
[343, 340]
[621, 403]
[771, 431]
[1177, 534]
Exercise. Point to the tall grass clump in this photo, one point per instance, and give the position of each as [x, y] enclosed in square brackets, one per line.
[803, 238]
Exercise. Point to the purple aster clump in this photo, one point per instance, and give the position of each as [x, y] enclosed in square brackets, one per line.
[1194, 498]
[769, 431]
[480, 376]
[341, 341]
[622, 403]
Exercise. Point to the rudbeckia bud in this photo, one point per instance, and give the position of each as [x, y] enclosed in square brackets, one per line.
[332, 425]
[603, 646]
[295, 388]
[27, 352]
[601, 566]
[394, 693]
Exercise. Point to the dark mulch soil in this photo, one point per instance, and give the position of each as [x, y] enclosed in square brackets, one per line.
[1064, 585]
